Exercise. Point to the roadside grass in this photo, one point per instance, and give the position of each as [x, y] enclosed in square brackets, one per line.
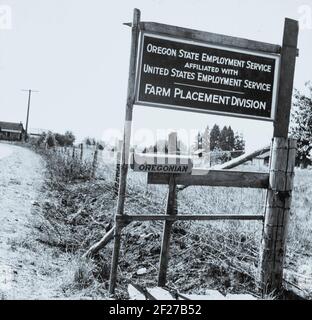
[220, 255]
[300, 227]
[50, 268]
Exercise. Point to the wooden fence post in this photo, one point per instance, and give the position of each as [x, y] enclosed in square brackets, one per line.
[277, 214]
[125, 147]
[282, 162]
[171, 210]
[81, 151]
[94, 163]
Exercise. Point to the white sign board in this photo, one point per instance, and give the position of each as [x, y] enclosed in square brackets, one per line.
[161, 163]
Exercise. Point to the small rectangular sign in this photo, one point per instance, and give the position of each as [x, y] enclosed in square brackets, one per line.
[187, 75]
[164, 163]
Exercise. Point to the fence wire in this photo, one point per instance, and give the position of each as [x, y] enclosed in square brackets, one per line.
[196, 245]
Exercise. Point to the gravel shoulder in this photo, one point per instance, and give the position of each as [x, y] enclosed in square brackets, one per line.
[28, 269]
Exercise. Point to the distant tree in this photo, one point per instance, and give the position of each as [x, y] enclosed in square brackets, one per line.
[301, 125]
[88, 142]
[42, 138]
[239, 142]
[199, 140]
[69, 138]
[223, 140]
[215, 137]
[60, 139]
[227, 140]
[50, 140]
[218, 156]
[66, 139]
[231, 138]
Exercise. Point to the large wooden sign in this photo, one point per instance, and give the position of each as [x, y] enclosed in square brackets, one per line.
[179, 68]
[175, 73]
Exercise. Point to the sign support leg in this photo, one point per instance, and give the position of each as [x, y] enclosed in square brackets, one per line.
[117, 173]
[125, 147]
[171, 210]
[115, 257]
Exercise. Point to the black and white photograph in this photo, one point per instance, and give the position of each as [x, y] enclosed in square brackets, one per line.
[156, 150]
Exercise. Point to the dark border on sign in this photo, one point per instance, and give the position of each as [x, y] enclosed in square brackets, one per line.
[276, 57]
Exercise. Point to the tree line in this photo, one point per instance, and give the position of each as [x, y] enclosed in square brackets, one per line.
[67, 139]
[56, 139]
[301, 125]
[223, 139]
[220, 140]
[208, 140]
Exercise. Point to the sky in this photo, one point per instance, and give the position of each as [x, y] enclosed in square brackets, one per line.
[76, 54]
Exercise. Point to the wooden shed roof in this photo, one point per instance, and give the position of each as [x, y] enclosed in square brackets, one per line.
[4, 126]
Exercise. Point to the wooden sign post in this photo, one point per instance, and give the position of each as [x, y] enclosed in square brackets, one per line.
[283, 153]
[172, 209]
[125, 147]
[282, 163]
[117, 172]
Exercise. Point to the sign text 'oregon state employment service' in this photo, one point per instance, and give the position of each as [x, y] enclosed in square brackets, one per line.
[179, 74]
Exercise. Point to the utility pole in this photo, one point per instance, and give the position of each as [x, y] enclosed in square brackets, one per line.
[28, 107]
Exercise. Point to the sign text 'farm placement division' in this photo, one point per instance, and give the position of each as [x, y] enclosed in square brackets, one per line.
[182, 74]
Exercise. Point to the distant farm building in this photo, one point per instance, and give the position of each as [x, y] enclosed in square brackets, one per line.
[262, 159]
[11, 131]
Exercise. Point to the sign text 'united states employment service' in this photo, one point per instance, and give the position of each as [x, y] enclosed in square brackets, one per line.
[174, 73]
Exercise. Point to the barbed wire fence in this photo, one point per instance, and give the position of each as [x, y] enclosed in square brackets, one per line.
[229, 244]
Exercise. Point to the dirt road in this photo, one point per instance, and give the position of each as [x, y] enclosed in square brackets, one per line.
[28, 270]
